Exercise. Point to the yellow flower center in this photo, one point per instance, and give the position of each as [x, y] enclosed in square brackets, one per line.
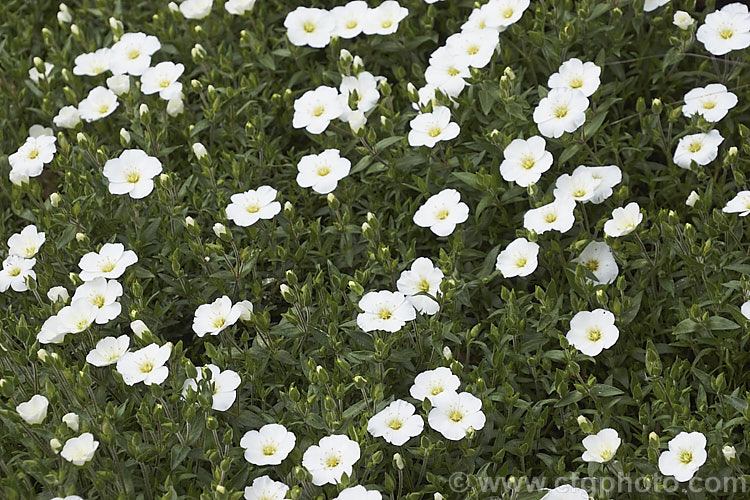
[133, 177]
[164, 83]
[98, 300]
[456, 415]
[473, 50]
[528, 162]
[333, 461]
[98, 68]
[576, 83]
[605, 454]
[33, 154]
[592, 265]
[561, 111]
[424, 286]
[436, 388]
[595, 335]
[443, 214]
[103, 108]
[482, 24]
[550, 217]
[323, 171]
[309, 26]
[578, 193]
[395, 424]
[508, 13]
[686, 457]
[709, 104]
[351, 24]
[134, 54]
[146, 367]
[695, 146]
[14, 271]
[81, 323]
[252, 208]
[386, 24]
[269, 450]
[319, 110]
[107, 266]
[219, 322]
[453, 71]
[385, 314]
[434, 131]
[521, 262]
[726, 33]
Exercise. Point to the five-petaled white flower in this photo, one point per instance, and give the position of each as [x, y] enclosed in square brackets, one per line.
[607, 176]
[602, 446]
[323, 171]
[427, 129]
[101, 102]
[593, 331]
[265, 488]
[145, 365]
[110, 262]
[33, 411]
[269, 445]
[108, 351]
[686, 454]
[196, 9]
[26, 244]
[309, 26]
[93, 63]
[396, 423]
[162, 78]
[726, 29]
[103, 294]
[80, 450]
[581, 186]
[555, 216]
[132, 173]
[649, 5]
[358, 492]
[423, 278]
[525, 161]
[520, 258]
[239, 7]
[350, 18]
[701, 148]
[566, 492]
[67, 117]
[14, 273]
[132, 53]
[224, 385]
[740, 204]
[316, 108]
[453, 414]
[249, 207]
[563, 110]
[597, 257]
[384, 19]
[712, 102]
[503, 13]
[214, 317]
[30, 158]
[574, 74]
[384, 310]
[431, 383]
[476, 48]
[624, 220]
[331, 458]
[442, 212]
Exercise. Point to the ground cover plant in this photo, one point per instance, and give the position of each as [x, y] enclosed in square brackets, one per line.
[405, 250]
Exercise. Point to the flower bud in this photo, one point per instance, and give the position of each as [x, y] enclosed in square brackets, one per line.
[81, 237]
[345, 56]
[199, 150]
[54, 199]
[58, 293]
[730, 454]
[682, 19]
[447, 354]
[219, 229]
[656, 106]
[124, 137]
[692, 199]
[358, 65]
[731, 152]
[41, 355]
[585, 424]
[175, 106]
[139, 328]
[143, 111]
[71, 420]
[56, 445]
[398, 461]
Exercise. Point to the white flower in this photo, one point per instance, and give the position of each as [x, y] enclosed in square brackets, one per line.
[520, 258]
[52, 331]
[687, 452]
[427, 129]
[503, 13]
[396, 423]
[525, 161]
[712, 102]
[100, 103]
[58, 293]
[682, 19]
[30, 158]
[350, 18]
[103, 294]
[725, 30]
[555, 216]
[593, 331]
[729, 452]
[14, 273]
[162, 78]
[175, 106]
[332, 457]
[26, 244]
[119, 84]
[239, 7]
[108, 351]
[80, 450]
[602, 446]
[199, 150]
[475, 48]
[384, 310]
[265, 488]
[446, 72]
[110, 262]
[692, 199]
[132, 173]
[384, 19]
[145, 365]
[93, 63]
[270, 445]
[323, 171]
[223, 383]
[442, 212]
[576, 75]
[196, 9]
[72, 421]
[37, 130]
[67, 117]
[739, 204]
[316, 108]
[478, 21]
[249, 207]
[132, 53]
[431, 383]
[33, 411]
[650, 5]
[608, 176]
[624, 220]
[597, 257]
[453, 414]
[581, 186]
[35, 76]
[366, 87]
[246, 309]
[566, 492]
[563, 110]
[359, 492]
[214, 317]
[422, 278]
[76, 317]
[309, 26]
